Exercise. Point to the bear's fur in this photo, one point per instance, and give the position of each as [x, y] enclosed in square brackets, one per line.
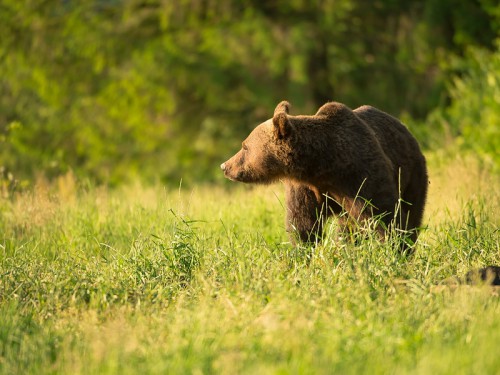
[360, 164]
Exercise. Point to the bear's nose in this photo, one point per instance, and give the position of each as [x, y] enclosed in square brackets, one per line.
[223, 166]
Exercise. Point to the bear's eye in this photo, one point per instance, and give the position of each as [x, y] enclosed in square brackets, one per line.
[244, 146]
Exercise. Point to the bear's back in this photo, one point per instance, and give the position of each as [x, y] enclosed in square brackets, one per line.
[396, 140]
[389, 130]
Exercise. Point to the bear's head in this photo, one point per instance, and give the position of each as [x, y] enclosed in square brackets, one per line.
[265, 154]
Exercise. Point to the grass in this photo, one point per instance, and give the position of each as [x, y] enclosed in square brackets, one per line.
[144, 280]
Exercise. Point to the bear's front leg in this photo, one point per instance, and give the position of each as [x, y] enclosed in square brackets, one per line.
[306, 213]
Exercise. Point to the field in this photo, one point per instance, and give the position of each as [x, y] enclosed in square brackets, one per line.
[149, 280]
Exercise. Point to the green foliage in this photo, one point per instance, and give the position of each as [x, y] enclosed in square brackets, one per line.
[474, 114]
[469, 124]
[165, 90]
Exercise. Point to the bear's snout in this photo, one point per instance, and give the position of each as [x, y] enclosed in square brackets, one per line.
[229, 172]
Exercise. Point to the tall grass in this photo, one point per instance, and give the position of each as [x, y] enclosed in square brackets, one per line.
[205, 281]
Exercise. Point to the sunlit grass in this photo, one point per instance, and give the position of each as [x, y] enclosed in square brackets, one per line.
[454, 183]
[144, 279]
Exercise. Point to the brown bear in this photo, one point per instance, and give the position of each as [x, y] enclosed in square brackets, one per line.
[356, 164]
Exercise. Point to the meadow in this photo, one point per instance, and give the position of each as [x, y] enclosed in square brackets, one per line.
[151, 280]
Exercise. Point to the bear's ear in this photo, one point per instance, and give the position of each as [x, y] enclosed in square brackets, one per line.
[284, 106]
[281, 125]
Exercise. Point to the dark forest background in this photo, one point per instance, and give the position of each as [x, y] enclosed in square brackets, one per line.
[157, 90]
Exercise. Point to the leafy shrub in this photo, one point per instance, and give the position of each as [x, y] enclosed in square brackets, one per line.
[473, 117]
